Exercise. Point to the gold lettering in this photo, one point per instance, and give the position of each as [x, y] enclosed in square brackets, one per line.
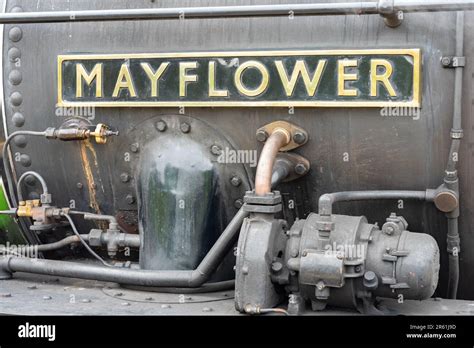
[184, 78]
[124, 80]
[300, 68]
[213, 92]
[95, 74]
[154, 76]
[383, 78]
[238, 78]
[343, 77]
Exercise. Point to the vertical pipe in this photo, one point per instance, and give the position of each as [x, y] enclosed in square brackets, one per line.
[451, 179]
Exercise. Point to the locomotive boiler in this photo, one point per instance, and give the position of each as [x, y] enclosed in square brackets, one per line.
[307, 156]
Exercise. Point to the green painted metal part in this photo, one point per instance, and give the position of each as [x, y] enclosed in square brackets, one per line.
[9, 230]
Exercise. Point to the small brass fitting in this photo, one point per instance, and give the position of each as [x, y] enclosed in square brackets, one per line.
[25, 208]
[101, 133]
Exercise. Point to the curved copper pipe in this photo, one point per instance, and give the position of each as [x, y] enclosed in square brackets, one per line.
[263, 179]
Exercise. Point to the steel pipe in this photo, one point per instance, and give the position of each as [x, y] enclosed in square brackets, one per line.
[172, 278]
[284, 10]
[327, 200]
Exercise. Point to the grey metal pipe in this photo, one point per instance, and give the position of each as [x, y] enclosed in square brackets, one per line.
[327, 200]
[23, 177]
[451, 179]
[195, 278]
[347, 8]
[281, 170]
[51, 246]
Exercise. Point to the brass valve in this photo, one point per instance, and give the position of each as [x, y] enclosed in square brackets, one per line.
[26, 208]
[100, 133]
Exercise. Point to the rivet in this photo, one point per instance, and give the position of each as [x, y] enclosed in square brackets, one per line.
[125, 304]
[14, 54]
[149, 299]
[185, 127]
[118, 294]
[47, 298]
[15, 77]
[86, 300]
[20, 141]
[32, 287]
[30, 180]
[130, 199]
[161, 126]
[165, 306]
[5, 294]
[124, 177]
[135, 147]
[33, 195]
[15, 34]
[79, 185]
[18, 119]
[25, 160]
[16, 98]
[207, 309]
[235, 181]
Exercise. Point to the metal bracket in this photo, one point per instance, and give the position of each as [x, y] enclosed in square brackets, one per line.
[392, 17]
[453, 62]
[300, 165]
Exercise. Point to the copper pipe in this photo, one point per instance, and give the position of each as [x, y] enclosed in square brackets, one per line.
[263, 180]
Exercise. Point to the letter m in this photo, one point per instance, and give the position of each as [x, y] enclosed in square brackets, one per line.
[95, 74]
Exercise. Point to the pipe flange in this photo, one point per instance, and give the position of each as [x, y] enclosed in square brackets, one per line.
[298, 136]
[270, 203]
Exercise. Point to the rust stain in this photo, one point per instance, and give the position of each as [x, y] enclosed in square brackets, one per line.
[86, 166]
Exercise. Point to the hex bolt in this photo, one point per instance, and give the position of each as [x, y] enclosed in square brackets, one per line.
[216, 150]
[238, 203]
[161, 126]
[299, 138]
[277, 267]
[261, 135]
[446, 61]
[149, 299]
[357, 269]
[300, 169]
[135, 147]
[130, 199]
[118, 294]
[235, 181]
[5, 294]
[185, 127]
[124, 177]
